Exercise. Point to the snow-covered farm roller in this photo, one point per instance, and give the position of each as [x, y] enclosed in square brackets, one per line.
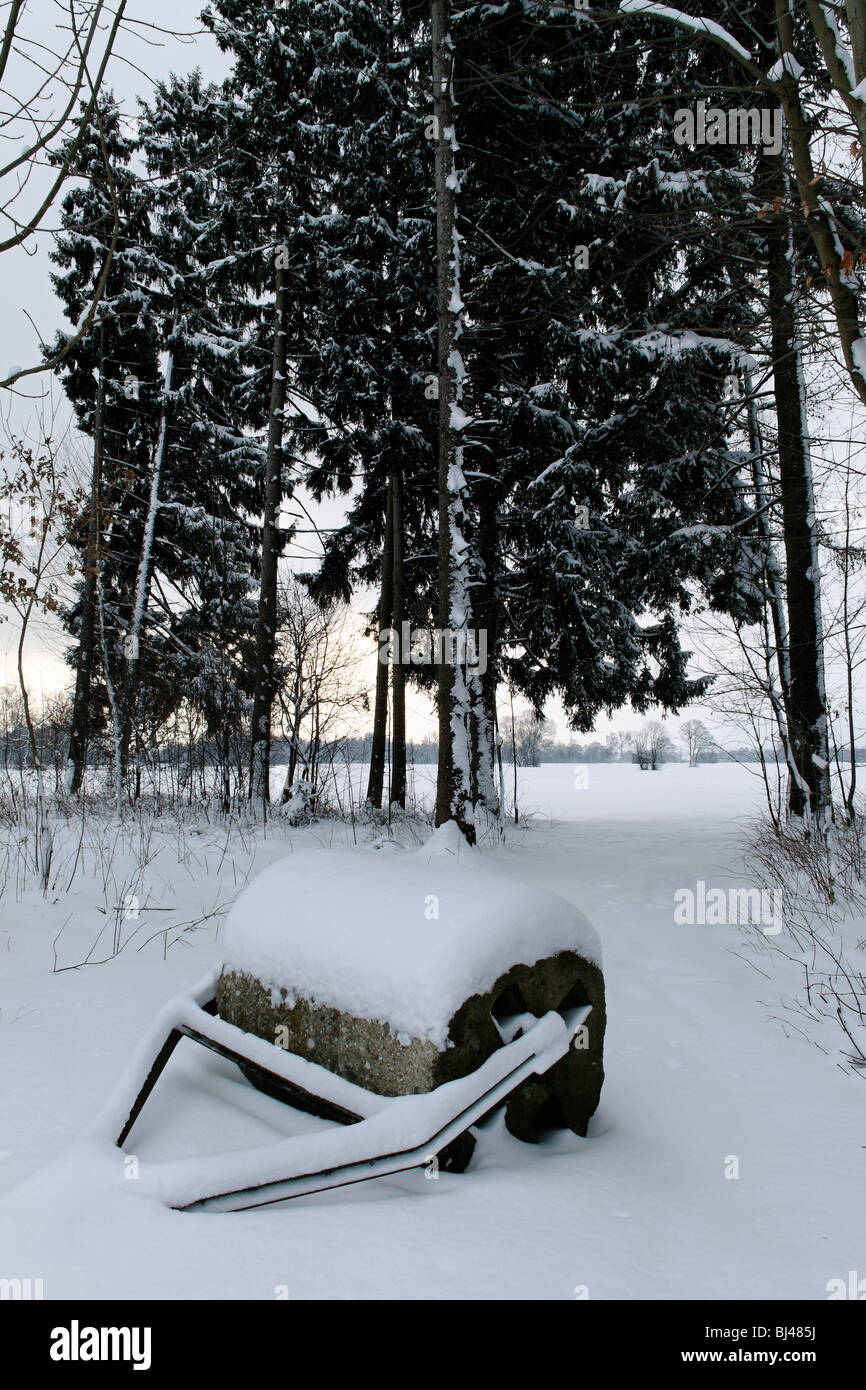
[405, 996]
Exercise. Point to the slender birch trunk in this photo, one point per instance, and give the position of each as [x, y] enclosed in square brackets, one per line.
[132, 647]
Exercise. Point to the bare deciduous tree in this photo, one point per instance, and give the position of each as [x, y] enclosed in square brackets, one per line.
[651, 745]
[619, 742]
[319, 686]
[528, 736]
[697, 738]
[46, 119]
[34, 527]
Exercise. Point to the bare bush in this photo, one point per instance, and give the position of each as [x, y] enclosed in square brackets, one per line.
[823, 894]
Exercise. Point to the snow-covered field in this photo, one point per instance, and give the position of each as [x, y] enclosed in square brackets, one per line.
[726, 1159]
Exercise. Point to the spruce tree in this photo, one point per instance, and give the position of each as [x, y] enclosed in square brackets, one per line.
[279, 191]
[110, 376]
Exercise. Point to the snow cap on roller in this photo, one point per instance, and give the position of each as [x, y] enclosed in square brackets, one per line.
[403, 938]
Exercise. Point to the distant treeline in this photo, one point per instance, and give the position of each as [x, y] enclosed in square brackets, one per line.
[52, 732]
[358, 750]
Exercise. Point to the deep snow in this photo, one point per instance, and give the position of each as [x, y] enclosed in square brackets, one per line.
[699, 1073]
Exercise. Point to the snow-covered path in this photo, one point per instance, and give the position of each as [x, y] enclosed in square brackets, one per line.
[697, 1075]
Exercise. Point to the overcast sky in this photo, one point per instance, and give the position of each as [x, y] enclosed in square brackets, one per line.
[142, 56]
[29, 309]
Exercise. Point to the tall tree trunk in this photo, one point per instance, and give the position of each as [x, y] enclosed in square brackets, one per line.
[392, 216]
[513, 749]
[376, 780]
[79, 732]
[483, 681]
[773, 584]
[398, 669]
[266, 624]
[809, 790]
[129, 686]
[453, 790]
[224, 745]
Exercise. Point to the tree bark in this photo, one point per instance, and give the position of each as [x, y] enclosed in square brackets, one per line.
[128, 684]
[266, 625]
[856, 12]
[453, 792]
[376, 780]
[398, 669]
[483, 683]
[772, 583]
[809, 793]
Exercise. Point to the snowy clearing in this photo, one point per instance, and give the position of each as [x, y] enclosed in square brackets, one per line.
[699, 1073]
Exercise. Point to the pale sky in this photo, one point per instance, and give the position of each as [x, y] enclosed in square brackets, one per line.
[29, 309]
